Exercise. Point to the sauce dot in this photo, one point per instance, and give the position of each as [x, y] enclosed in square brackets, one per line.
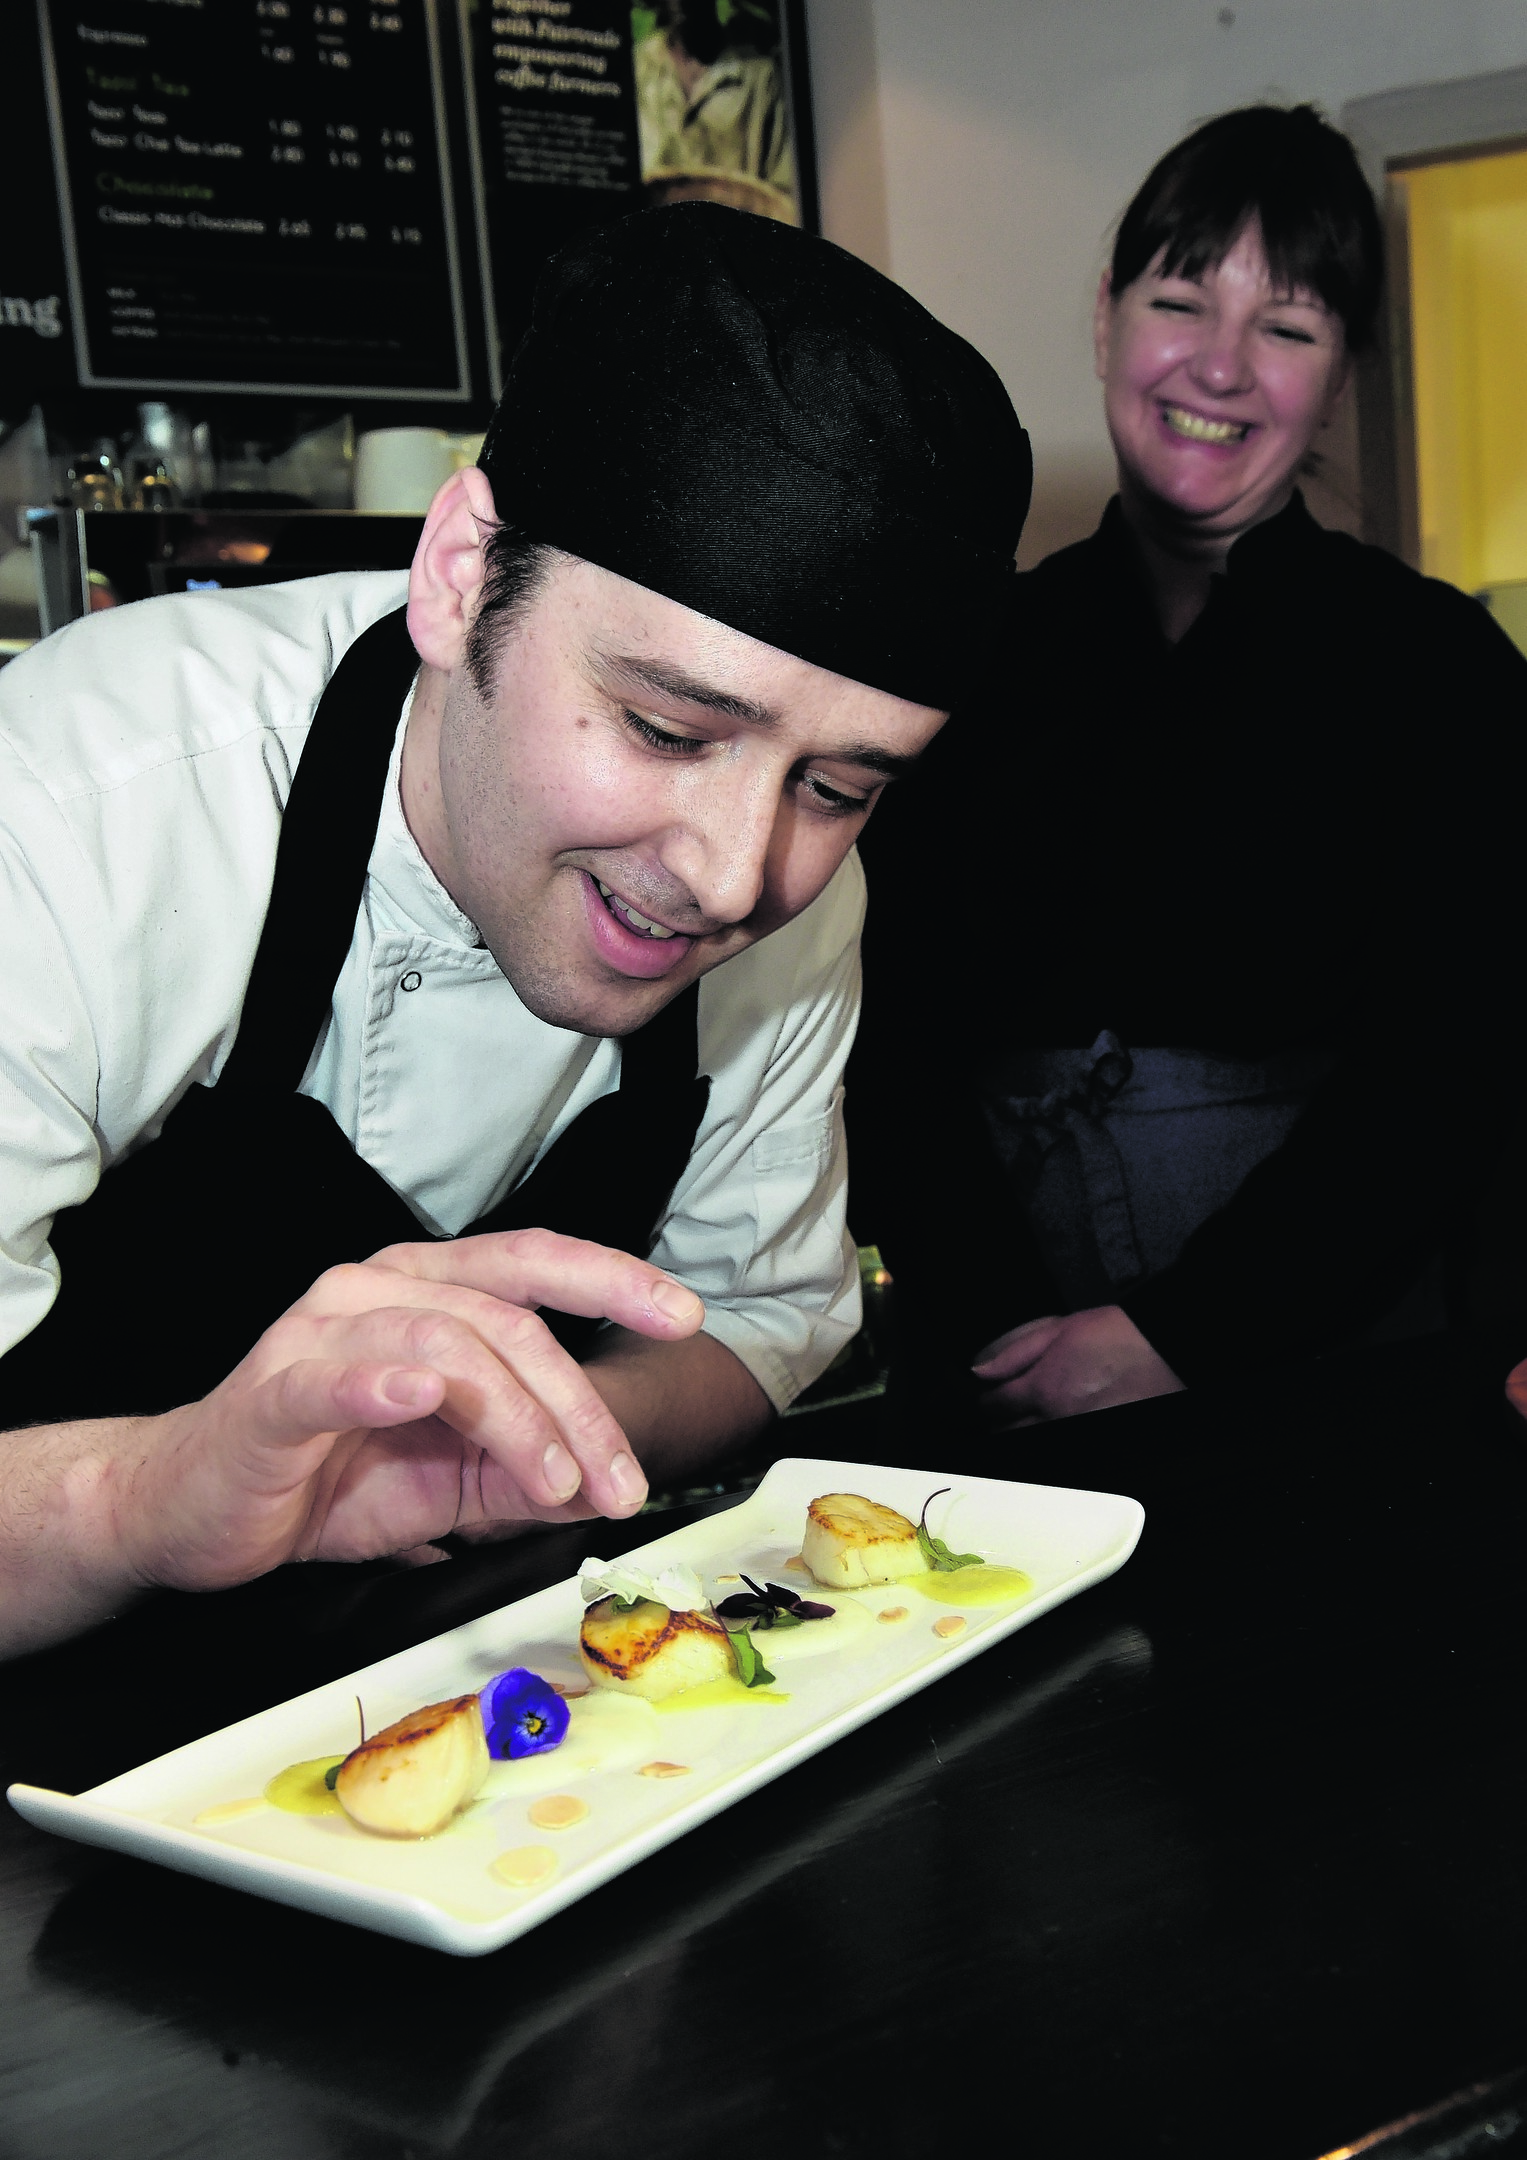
[569, 1694]
[951, 1624]
[892, 1612]
[558, 1811]
[527, 1867]
[728, 1578]
[664, 1769]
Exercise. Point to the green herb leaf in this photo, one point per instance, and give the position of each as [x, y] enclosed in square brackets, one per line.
[751, 1669]
[627, 1604]
[941, 1561]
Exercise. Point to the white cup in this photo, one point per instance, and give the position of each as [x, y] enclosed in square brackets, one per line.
[399, 468]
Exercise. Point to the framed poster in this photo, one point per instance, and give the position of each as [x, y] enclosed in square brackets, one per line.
[583, 110]
[255, 196]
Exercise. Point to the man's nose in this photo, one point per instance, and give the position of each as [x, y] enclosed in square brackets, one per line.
[721, 848]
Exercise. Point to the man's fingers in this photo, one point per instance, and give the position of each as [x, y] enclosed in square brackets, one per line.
[572, 1275]
[583, 1444]
[547, 1454]
[317, 1396]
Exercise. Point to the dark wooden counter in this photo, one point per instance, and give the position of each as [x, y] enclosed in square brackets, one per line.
[1226, 1859]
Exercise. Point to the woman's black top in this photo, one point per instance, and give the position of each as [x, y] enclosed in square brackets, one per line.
[1302, 826]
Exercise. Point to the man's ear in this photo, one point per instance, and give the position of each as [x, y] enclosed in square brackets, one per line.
[1102, 326]
[447, 572]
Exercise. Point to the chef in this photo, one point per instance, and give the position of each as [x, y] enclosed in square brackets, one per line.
[426, 1002]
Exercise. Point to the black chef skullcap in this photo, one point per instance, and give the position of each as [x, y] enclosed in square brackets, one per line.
[756, 424]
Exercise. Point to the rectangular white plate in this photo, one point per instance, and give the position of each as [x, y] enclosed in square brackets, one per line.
[441, 1890]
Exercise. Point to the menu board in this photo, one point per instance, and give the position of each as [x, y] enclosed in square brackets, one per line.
[583, 110]
[255, 196]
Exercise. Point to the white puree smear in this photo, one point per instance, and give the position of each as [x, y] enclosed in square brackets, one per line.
[605, 1732]
[779, 1647]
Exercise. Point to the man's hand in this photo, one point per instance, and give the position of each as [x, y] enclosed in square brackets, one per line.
[402, 1398]
[1056, 1367]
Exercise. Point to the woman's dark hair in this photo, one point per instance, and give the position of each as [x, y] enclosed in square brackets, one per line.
[1291, 171]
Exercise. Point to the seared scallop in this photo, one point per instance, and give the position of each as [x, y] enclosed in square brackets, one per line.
[851, 1542]
[410, 1778]
[650, 1651]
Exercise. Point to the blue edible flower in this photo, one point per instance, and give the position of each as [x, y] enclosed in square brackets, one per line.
[522, 1714]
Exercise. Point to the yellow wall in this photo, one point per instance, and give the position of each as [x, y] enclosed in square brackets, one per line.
[1468, 273]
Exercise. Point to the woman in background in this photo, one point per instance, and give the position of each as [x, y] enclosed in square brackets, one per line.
[1200, 970]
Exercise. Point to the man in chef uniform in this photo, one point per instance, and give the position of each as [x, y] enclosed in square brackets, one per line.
[425, 1000]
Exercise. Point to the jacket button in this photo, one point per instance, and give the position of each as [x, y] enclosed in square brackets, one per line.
[411, 980]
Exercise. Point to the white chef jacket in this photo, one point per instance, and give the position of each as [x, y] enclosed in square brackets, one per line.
[145, 759]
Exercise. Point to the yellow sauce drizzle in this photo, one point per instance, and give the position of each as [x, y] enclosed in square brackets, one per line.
[558, 1811]
[985, 1585]
[712, 1693]
[300, 1788]
[227, 1811]
[526, 1867]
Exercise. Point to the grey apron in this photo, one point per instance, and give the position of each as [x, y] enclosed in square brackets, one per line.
[1117, 1155]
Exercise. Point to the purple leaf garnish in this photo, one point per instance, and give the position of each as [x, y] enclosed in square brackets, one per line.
[772, 1605]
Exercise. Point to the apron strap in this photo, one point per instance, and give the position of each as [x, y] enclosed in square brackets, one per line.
[327, 835]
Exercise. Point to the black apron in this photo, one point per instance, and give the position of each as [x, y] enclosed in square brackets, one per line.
[190, 1248]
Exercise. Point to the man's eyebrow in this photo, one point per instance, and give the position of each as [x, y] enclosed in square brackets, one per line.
[888, 763]
[672, 682]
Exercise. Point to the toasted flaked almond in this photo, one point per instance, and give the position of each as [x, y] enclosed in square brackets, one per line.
[892, 1612]
[569, 1694]
[664, 1769]
[951, 1624]
[558, 1811]
[526, 1867]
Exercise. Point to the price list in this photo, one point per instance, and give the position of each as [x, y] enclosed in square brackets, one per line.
[255, 195]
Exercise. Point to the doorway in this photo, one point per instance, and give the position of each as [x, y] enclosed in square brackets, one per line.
[1443, 407]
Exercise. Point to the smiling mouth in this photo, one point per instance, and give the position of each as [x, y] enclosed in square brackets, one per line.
[1193, 427]
[642, 925]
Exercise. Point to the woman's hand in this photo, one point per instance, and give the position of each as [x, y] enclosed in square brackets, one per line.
[1056, 1367]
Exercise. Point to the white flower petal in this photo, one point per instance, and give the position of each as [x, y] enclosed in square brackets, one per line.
[676, 1586]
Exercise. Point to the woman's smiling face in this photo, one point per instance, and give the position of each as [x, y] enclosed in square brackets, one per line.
[1216, 386]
